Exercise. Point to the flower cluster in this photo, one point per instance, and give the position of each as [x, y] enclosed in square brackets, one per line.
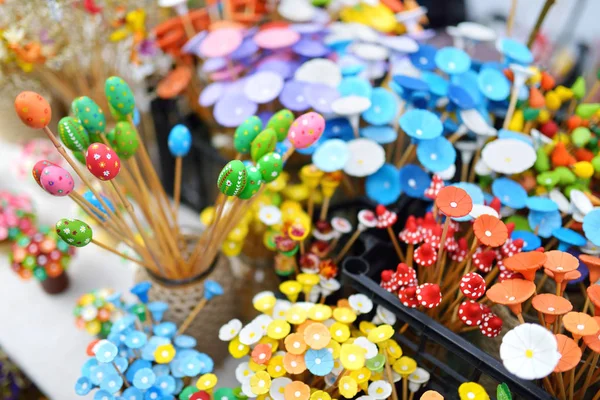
[94, 312]
[16, 216]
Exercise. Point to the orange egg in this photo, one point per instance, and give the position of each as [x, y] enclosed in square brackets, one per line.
[33, 109]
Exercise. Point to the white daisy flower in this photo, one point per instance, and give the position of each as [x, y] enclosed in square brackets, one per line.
[277, 387]
[263, 322]
[280, 309]
[418, 379]
[529, 351]
[230, 330]
[329, 286]
[243, 373]
[380, 390]
[370, 347]
[384, 316]
[269, 215]
[360, 303]
[250, 334]
[247, 390]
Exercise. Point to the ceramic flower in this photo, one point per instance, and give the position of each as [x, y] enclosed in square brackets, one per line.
[472, 391]
[348, 387]
[360, 303]
[529, 351]
[230, 330]
[380, 390]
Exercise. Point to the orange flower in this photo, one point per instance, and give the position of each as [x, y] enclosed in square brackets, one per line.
[570, 353]
[261, 354]
[580, 324]
[560, 262]
[551, 305]
[490, 231]
[317, 336]
[593, 341]
[511, 293]
[296, 391]
[454, 202]
[593, 264]
[295, 344]
[525, 263]
[294, 363]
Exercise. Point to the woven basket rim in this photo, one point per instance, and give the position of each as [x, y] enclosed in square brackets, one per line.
[187, 282]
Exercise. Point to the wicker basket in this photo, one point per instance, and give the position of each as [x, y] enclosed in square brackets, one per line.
[183, 296]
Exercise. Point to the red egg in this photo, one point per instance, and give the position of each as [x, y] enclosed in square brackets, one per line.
[37, 169]
[102, 161]
[33, 109]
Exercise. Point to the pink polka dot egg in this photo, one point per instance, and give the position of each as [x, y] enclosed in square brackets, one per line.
[306, 130]
[57, 181]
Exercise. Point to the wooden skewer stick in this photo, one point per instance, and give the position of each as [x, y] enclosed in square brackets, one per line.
[538, 23]
[219, 207]
[407, 153]
[396, 244]
[390, 376]
[190, 318]
[511, 18]
[347, 247]
[117, 252]
[177, 188]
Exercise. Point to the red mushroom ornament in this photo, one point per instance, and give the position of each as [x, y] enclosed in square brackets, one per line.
[472, 286]
[491, 326]
[408, 296]
[470, 313]
[429, 295]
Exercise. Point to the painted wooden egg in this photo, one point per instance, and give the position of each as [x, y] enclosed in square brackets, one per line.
[119, 95]
[253, 182]
[180, 140]
[270, 166]
[57, 181]
[102, 162]
[264, 143]
[280, 122]
[37, 169]
[123, 138]
[75, 232]
[91, 117]
[306, 130]
[246, 133]
[33, 109]
[73, 134]
[232, 179]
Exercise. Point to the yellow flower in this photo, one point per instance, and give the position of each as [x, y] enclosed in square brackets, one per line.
[392, 348]
[264, 303]
[405, 366]
[164, 353]
[308, 281]
[255, 366]
[334, 348]
[86, 299]
[206, 382]
[295, 315]
[381, 334]
[348, 387]
[339, 332]
[319, 312]
[352, 357]
[260, 383]
[272, 343]
[472, 391]
[278, 329]
[355, 333]
[366, 327]
[275, 367]
[320, 395]
[237, 349]
[344, 315]
[291, 289]
[361, 375]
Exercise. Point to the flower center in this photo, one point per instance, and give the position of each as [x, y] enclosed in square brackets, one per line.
[580, 327]
[453, 204]
[488, 233]
[352, 357]
[318, 361]
[297, 393]
[529, 353]
[471, 395]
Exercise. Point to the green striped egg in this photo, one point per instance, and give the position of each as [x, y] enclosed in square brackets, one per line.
[280, 122]
[119, 95]
[232, 179]
[124, 140]
[253, 182]
[73, 134]
[264, 143]
[75, 232]
[91, 117]
[245, 134]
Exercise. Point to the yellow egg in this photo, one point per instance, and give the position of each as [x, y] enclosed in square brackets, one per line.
[553, 100]
[517, 121]
[207, 215]
[583, 169]
[543, 116]
[563, 93]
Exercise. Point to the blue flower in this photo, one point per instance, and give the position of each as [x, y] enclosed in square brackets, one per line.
[167, 329]
[99, 372]
[133, 393]
[510, 193]
[112, 383]
[178, 385]
[115, 299]
[135, 367]
[150, 347]
[87, 366]
[123, 324]
[144, 378]
[591, 226]
[318, 362]
[153, 393]
[414, 181]
[421, 124]
[114, 337]
[544, 223]
[185, 342]
[121, 363]
[83, 386]
[161, 369]
[212, 289]
[436, 154]
[166, 384]
[103, 395]
[157, 309]
[106, 351]
[568, 238]
[191, 365]
[177, 369]
[141, 291]
[135, 340]
[206, 363]
[383, 186]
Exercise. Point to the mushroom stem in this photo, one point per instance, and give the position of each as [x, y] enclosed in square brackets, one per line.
[409, 254]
